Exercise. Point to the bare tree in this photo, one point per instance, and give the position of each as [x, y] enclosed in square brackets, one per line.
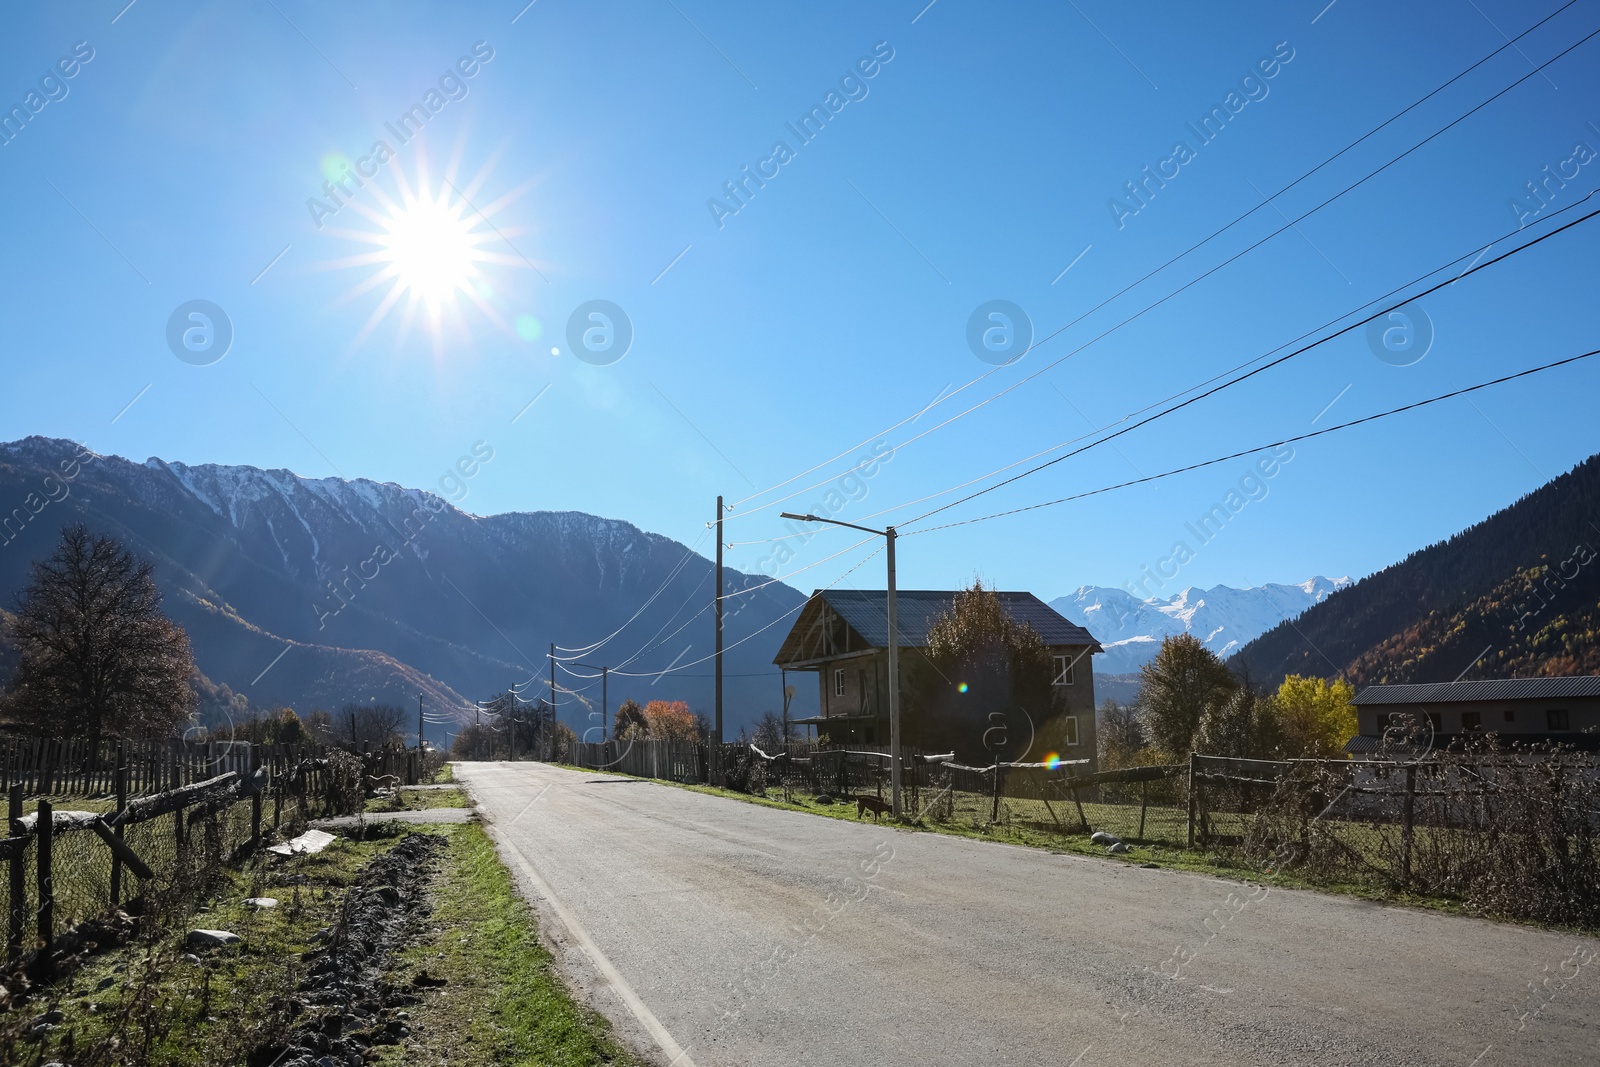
[96, 655]
[367, 724]
[768, 733]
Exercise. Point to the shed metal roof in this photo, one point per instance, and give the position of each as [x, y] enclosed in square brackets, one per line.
[1489, 689]
[866, 612]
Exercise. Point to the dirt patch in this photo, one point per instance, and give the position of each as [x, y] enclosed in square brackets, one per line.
[344, 1006]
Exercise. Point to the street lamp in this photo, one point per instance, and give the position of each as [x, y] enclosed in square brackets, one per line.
[889, 535]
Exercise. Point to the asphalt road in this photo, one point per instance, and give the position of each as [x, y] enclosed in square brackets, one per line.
[714, 932]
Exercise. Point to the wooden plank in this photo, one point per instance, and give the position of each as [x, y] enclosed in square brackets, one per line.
[121, 851]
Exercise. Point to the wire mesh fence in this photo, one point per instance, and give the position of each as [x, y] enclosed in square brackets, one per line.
[69, 862]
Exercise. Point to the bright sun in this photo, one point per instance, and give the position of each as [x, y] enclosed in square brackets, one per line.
[428, 247]
[431, 248]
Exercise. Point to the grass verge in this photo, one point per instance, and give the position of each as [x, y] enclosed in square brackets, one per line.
[159, 1002]
[503, 1001]
[416, 800]
[156, 1001]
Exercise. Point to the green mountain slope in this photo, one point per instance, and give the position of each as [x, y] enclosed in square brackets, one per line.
[1515, 595]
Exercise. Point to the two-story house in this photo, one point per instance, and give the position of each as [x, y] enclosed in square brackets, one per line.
[843, 636]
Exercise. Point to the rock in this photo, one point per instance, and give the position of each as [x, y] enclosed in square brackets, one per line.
[1119, 848]
[261, 902]
[212, 938]
[106, 983]
[49, 1018]
[1100, 837]
[423, 978]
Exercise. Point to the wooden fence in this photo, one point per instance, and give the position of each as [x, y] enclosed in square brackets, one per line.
[56, 767]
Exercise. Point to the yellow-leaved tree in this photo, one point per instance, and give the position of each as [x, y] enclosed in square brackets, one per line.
[1316, 717]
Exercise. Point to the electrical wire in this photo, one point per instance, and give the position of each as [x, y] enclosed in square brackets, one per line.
[1264, 367]
[1273, 444]
[1150, 307]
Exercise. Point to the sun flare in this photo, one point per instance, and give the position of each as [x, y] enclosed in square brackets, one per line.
[432, 250]
[429, 247]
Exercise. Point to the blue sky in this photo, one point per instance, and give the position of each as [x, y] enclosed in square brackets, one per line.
[978, 162]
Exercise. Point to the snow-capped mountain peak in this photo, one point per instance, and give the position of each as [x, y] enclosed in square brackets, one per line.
[1223, 618]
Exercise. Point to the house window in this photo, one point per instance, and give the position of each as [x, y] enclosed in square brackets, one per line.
[1471, 720]
[1558, 719]
[1069, 731]
[1063, 671]
[838, 682]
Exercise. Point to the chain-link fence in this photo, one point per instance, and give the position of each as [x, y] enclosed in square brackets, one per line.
[63, 867]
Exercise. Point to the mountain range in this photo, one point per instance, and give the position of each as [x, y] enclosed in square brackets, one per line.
[1224, 619]
[305, 592]
[1516, 595]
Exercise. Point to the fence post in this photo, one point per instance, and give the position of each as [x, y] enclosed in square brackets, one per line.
[47, 892]
[19, 881]
[177, 831]
[994, 813]
[122, 803]
[255, 799]
[275, 776]
[1407, 824]
[1194, 783]
[1144, 804]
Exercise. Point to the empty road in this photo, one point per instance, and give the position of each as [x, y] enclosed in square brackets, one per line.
[715, 932]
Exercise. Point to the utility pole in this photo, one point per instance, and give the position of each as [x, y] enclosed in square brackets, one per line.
[419, 722]
[719, 620]
[889, 535]
[894, 680]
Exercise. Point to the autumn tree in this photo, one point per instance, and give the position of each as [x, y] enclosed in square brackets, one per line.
[1318, 718]
[1180, 684]
[671, 720]
[630, 723]
[985, 688]
[96, 656]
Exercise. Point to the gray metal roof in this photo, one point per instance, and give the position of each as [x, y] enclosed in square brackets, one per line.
[1491, 689]
[866, 610]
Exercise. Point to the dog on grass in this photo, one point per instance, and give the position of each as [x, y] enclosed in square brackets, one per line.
[875, 805]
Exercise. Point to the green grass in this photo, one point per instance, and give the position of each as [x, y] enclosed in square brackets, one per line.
[444, 775]
[181, 1014]
[503, 1001]
[416, 800]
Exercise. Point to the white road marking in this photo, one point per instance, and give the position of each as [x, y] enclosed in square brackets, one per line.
[675, 1053]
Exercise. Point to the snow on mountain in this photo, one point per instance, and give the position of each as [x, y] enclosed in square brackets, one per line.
[1223, 618]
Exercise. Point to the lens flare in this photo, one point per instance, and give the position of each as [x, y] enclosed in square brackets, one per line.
[1052, 760]
[962, 688]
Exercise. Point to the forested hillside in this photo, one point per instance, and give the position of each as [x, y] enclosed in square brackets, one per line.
[1517, 594]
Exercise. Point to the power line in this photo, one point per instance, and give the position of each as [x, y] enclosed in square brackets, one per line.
[1150, 307]
[1274, 444]
[1264, 367]
[764, 629]
[1474, 254]
[689, 553]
